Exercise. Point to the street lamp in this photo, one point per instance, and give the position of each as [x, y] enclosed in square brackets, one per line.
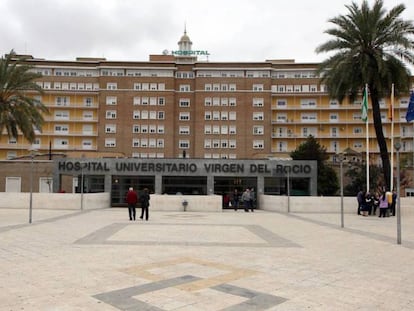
[397, 146]
[341, 170]
[32, 155]
[288, 189]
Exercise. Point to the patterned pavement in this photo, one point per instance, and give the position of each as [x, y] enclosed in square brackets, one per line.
[99, 260]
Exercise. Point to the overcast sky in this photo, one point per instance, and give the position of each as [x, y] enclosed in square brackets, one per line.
[230, 30]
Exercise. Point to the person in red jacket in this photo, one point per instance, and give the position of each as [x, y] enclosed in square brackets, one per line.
[131, 199]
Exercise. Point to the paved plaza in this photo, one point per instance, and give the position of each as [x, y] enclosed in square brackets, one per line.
[99, 260]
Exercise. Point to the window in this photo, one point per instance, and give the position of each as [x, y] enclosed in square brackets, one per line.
[232, 102]
[61, 129]
[160, 143]
[111, 100]
[144, 129]
[258, 144]
[88, 101]
[144, 115]
[60, 143]
[207, 87]
[232, 144]
[308, 103]
[110, 142]
[224, 129]
[87, 129]
[281, 103]
[333, 118]
[232, 87]
[207, 129]
[110, 128]
[144, 101]
[224, 115]
[160, 129]
[357, 130]
[232, 129]
[111, 86]
[216, 115]
[207, 143]
[232, 115]
[161, 101]
[207, 115]
[161, 115]
[216, 101]
[184, 102]
[135, 128]
[309, 117]
[257, 87]
[87, 115]
[224, 101]
[207, 101]
[216, 129]
[136, 101]
[184, 88]
[87, 144]
[153, 101]
[12, 141]
[258, 102]
[136, 115]
[184, 130]
[184, 116]
[61, 115]
[258, 116]
[62, 101]
[258, 130]
[184, 144]
[110, 114]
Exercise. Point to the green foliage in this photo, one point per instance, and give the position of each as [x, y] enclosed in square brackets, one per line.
[369, 46]
[18, 110]
[312, 150]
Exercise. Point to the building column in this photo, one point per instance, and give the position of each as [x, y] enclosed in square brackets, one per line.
[158, 184]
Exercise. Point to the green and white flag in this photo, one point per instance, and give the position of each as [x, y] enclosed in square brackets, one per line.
[364, 108]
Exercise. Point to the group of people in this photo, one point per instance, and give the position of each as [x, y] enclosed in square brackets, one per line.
[369, 203]
[247, 199]
[132, 198]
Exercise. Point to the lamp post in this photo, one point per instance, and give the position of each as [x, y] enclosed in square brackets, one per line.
[32, 155]
[341, 173]
[288, 190]
[397, 146]
[81, 207]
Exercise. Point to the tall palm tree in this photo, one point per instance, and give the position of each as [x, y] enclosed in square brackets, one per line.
[19, 110]
[370, 46]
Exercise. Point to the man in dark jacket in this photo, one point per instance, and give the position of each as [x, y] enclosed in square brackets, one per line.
[131, 199]
[144, 199]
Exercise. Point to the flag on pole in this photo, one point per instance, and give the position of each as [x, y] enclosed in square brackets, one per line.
[410, 111]
[391, 108]
[364, 108]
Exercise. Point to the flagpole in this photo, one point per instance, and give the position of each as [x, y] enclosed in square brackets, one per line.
[392, 139]
[367, 139]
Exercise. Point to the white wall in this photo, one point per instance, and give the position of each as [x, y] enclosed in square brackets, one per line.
[54, 200]
[321, 204]
[196, 203]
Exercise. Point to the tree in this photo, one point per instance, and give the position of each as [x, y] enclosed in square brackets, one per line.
[312, 150]
[370, 47]
[19, 110]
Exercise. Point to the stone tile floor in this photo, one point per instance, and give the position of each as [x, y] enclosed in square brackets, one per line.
[99, 260]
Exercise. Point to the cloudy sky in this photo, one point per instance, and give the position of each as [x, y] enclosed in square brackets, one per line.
[230, 30]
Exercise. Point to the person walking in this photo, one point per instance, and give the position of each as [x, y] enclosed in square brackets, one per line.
[235, 199]
[131, 199]
[144, 199]
[252, 199]
[246, 200]
[360, 200]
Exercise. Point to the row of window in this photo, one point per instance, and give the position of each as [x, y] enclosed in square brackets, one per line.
[180, 74]
[183, 143]
[333, 117]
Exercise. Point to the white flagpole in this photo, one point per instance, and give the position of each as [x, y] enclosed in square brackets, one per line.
[367, 140]
[392, 140]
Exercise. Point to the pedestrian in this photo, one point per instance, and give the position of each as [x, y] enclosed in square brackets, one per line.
[360, 200]
[366, 204]
[144, 199]
[131, 199]
[246, 200]
[235, 199]
[252, 199]
[383, 205]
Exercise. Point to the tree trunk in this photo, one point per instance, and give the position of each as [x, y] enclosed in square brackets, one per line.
[382, 143]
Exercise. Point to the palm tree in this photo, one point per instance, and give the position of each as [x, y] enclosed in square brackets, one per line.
[371, 46]
[19, 110]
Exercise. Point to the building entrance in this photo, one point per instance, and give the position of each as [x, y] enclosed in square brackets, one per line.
[225, 186]
[121, 184]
